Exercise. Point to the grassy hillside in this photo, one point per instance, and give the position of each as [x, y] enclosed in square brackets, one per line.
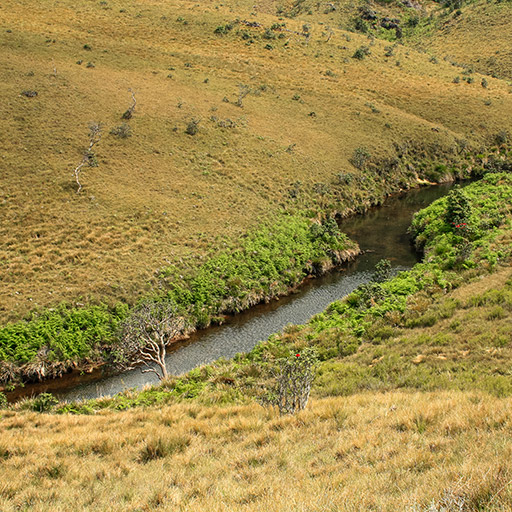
[387, 452]
[476, 36]
[398, 405]
[162, 196]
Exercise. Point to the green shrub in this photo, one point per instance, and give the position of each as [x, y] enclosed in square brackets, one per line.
[43, 402]
[360, 157]
[122, 131]
[382, 271]
[192, 127]
[294, 375]
[67, 334]
[458, 208]
[223, 29]
[361, 53]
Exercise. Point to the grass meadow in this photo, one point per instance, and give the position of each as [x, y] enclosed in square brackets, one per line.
[389, 451]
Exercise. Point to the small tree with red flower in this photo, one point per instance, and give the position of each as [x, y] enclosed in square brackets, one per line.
[458, 214]
[293, 378]
[458, 209]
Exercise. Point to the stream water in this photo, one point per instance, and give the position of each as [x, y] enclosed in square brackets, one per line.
[381, 233]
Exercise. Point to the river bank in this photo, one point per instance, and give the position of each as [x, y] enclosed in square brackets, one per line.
[265, 264]
[381, 233]
[368, 319]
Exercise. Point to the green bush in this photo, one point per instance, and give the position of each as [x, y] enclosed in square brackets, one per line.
[43, 402]
[361, 53]
[223, 29]
[192, 127]
[66, 333]
[122, 131]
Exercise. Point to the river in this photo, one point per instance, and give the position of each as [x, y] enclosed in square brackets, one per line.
[381, 233]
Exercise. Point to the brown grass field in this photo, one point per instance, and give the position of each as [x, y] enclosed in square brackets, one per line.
[396, 451]
[162, 196]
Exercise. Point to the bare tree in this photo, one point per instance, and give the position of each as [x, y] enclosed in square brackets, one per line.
[306, 32]
[88, 158]
[243, 91]
[129, 113]
[145, 336]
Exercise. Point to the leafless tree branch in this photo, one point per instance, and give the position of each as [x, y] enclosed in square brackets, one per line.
[145, 336]
[129, 113]
[95, 133]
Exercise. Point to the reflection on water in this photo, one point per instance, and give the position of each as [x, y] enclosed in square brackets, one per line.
[381, 233]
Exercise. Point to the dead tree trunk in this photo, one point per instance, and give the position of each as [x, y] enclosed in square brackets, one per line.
[129, 113]
[243, 91]
[88, 156]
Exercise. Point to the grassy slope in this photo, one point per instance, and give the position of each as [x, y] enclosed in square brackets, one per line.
[370, 451]
[461, 341]
[163, 196]
[386, 451]
[378, 448]
[479, 38]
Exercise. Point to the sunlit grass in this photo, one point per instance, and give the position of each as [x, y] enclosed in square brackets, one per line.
[371, 451]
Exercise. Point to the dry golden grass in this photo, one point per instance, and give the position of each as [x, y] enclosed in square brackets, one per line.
[479, 38]
[163, 196]
[383, 452]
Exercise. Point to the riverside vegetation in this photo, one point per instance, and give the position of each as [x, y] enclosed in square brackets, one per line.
[267, 263]
[359, 339]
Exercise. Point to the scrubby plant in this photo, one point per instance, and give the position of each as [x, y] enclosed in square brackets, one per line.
[361, 53]
[223, 29]
[389, 51]
[458, 208]
[344, 178]
[502, 137]
[294, 376]
[360, 157]
[122, 131]
[3, 401]
[192, 127]
[382, 271]
[43, 402]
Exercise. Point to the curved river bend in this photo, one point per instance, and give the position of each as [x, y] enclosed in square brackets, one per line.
[381, 233]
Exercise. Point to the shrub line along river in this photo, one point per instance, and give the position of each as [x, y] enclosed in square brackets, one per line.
[381, 233]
